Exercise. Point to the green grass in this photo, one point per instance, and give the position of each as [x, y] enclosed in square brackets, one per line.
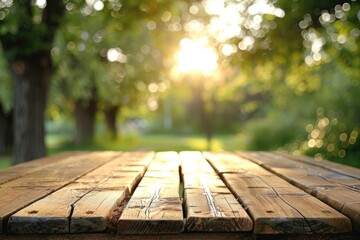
[135, 142]
[5, 161]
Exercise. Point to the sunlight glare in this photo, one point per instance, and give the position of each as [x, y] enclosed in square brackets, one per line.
[115, 54]
[263, 7]
[232, 19]
[196, 56]
[98, 5]
[41, 3]
[227, 49]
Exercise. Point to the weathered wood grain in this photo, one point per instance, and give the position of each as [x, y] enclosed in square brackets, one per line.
[333, 166]
[276, 206]
[26, 190]
[209, 211]
[87, 190]
[182, 236]
[165, 177]
[194, 162]
[335, 189]
[155, 206]
[20, 170]
[223, 162]
[209, 204]
[197, 180]
[52, 214]
[48, 215]
[92, 212]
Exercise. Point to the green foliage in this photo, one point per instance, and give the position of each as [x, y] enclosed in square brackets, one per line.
[27, 29]
[82, 48]
[291, 81]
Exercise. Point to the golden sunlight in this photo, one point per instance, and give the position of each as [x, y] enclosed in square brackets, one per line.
[196, 56]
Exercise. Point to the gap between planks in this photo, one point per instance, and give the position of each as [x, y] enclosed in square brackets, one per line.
[155, 206]
[209, 204]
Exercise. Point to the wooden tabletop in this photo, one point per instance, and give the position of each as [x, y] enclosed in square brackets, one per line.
[186, 195]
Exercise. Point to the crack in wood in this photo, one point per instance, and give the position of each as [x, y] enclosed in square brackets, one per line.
[287, 203]
[155, 195]
[210, 199]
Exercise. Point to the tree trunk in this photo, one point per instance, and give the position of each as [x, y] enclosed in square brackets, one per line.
[204, 112]
[31, 77]
[110, 118]
[2, 131]
[6, 131]
[85, 120]
[27, 50]
[206, 122]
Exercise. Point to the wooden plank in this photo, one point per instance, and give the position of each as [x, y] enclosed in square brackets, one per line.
[194, 162]
[138, 158]
[170, 176]
[98, 197]
[209, 204]
[64, 171]
[92, 213]
[109, 236]
[209, 211]
[331, 187]
[20, 193]
[222, 162]
[48, 215]
[333, 166]
[286, 209]
[116, 180]
[155, 207]
[17, 171]
[95, 211]
[193, 180]
[278, 207]
[182, 236]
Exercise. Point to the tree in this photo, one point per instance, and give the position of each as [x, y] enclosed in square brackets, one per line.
[107, 63]
[27, 32]
[6, 123]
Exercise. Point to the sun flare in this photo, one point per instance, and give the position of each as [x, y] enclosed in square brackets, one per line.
[195, 56]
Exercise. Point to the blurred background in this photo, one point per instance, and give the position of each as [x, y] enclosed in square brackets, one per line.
[180, 75]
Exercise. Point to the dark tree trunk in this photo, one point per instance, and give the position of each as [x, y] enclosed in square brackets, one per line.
[110, 118]
[204, 113]
[6, 131]
[31, 77]
[3, 127]
[27, 50]
[85, 120]
[206, 121]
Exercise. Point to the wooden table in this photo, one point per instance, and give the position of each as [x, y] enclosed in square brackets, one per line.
[186, 195]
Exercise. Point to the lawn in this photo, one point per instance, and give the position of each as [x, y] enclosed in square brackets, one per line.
[4, 161]
[135, 142]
